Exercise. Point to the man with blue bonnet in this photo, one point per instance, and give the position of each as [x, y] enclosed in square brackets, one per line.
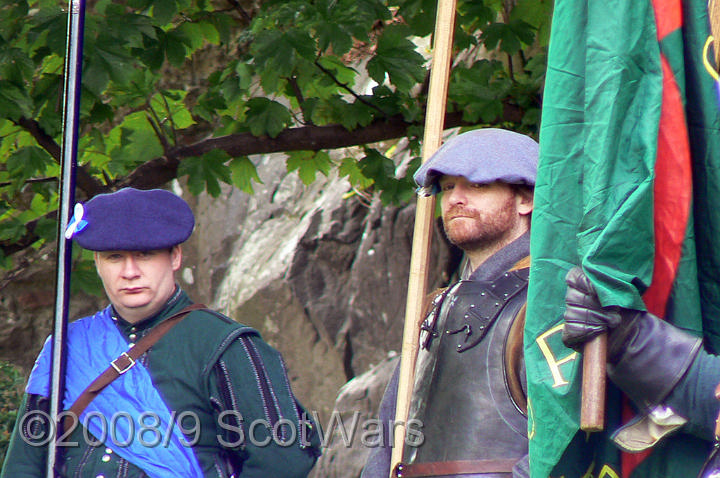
[158, 386]
[469, 392]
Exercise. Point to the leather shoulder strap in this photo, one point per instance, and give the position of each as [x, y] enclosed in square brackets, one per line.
[523, 263]
[514, 350]
[124, 362]
[513, 357]
[429, 302]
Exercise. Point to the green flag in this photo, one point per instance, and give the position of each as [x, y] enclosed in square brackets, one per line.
[627, 180]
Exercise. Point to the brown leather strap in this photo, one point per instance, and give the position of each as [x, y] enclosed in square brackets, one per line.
[514, 358]
[123, 363]
[523, 263]
[440, 468]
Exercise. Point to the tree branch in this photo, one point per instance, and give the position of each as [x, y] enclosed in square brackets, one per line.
[87, 183]
[292, 81]
[159, 171]
[347, 88]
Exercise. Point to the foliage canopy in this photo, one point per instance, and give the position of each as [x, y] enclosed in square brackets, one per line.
[190, 88]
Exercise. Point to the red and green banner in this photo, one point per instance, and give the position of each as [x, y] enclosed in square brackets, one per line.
[628, 187]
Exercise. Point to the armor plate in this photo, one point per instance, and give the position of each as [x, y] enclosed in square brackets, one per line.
[461, 393]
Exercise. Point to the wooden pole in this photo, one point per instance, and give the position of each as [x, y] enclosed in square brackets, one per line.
[592, 408]
[422, 233]
[714, 13]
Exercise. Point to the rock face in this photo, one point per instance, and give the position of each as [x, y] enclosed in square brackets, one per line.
[323, 277]
[353, 428]
[320, 272]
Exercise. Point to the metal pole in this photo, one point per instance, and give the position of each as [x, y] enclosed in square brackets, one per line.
[66, 188]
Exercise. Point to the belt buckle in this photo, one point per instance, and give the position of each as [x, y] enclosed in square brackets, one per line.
[128, 367]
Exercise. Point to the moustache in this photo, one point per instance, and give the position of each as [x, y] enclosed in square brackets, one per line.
[459, 211]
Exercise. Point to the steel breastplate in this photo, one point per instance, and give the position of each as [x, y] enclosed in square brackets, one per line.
[461, 394]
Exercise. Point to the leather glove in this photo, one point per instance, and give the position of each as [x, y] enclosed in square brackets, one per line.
[585, 318]
[647, 356]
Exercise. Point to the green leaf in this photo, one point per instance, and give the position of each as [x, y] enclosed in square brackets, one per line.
[420, 15]
[118, 64]
[131, 28]
[11, 229]
[164, 10]
[480, 90]
[382, 171]
[195, 34]
[224, 25]
[476, 14]
[171, 106]
[267, 117]
[153, 52]
[495, 33]
[245, 75]
[333, 35]
[534, 12]
[206, 172]
[278, 53]
[524, 31]
[350, 168]
[46, 229]
[27, 162]
[341, 72]
[308, 163]
[132, 143]
[14, 102]
[175, 50]
[15, 65]
[244, 173]
[377, 166]
[208, 104]
[509, 36]
[397, 58]
[95, 77]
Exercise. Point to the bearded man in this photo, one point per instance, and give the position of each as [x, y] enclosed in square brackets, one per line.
[469, 394]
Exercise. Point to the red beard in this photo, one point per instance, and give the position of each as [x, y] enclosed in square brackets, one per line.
[470, 229]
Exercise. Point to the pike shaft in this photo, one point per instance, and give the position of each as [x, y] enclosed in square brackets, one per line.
[66, 192]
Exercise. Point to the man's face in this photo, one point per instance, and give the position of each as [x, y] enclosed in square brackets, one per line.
[481, 216]
[138, 283]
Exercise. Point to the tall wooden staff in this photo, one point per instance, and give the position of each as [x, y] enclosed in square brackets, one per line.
[66, 192]
[422, 234]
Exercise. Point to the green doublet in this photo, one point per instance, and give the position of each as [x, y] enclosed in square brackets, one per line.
[225, 385]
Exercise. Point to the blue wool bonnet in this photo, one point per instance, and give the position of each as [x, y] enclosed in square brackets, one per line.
[483, 156]
[131, 220]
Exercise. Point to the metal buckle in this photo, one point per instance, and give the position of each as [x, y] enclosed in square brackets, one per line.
[128, 367]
